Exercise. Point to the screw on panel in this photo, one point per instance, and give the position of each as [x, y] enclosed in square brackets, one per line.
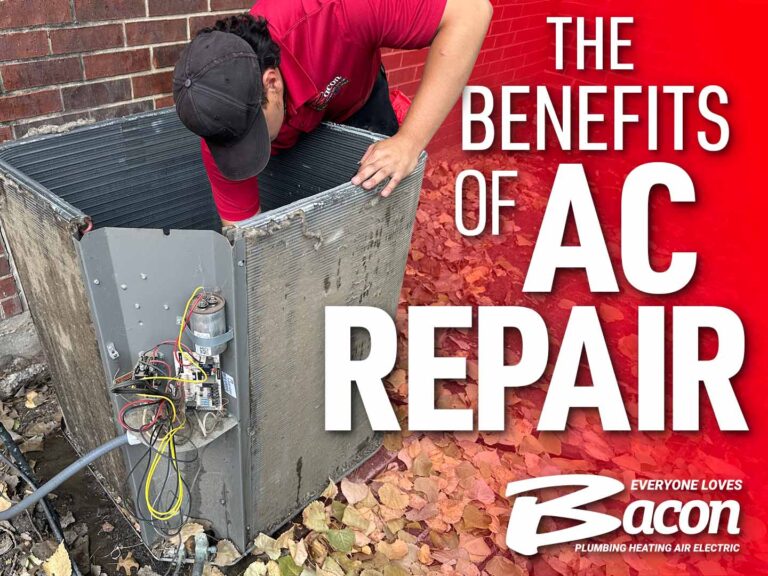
[241, 263]
[143, 276]
[112, 351]
[96, 281]
[137, 305]
[123, 286]
[166, 307]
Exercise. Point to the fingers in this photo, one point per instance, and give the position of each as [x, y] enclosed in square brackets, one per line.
[368, 152]
[363, 175]
[376, 178]
[393, 182]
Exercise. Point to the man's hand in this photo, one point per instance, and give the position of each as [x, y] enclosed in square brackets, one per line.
[393, 158]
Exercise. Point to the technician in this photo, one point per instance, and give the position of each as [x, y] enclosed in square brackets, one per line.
[252, 84]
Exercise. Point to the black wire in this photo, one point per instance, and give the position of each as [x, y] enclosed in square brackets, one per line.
[156, 524]
[133, 387]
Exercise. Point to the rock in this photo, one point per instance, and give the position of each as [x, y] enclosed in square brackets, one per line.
[18, 339]
[29, 375]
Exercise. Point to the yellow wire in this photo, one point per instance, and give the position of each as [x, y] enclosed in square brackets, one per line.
[183, 352]
[166, 442]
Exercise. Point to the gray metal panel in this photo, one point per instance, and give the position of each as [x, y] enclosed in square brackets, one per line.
[142, 172]
[139, 281]
[343, 246]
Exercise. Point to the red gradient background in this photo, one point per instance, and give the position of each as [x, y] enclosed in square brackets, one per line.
[674, 43]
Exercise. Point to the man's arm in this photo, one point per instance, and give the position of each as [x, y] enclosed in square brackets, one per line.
[449, 63]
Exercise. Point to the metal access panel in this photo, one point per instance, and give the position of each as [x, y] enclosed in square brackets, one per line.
[113, 227]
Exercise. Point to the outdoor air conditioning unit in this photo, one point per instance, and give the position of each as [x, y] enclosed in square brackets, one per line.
[112, 228]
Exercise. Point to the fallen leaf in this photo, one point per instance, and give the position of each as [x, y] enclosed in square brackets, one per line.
[394, 551]
[288, 567]
[33, 400]
[285, 538]
[314, 517]
[127, 564]
[298, 551]
[187, 531]
[59, 563]
[393, 497]
[501, 566]
[353, 491]
[264, 544]
[425, 556]
[341, 540]
[257, 568]
[226, 553]
[475, 546]
[331, 491]
[354, 519]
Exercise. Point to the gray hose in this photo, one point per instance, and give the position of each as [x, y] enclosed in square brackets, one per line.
[63, 476]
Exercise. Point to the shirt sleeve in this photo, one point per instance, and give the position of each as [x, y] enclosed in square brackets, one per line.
[407, 24]
[235, 200]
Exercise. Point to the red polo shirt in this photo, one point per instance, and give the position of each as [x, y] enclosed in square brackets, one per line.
[330, 54]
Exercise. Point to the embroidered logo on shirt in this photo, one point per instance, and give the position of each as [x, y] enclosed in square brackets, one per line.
[321, 101]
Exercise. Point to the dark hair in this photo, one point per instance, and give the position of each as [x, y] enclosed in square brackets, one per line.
[255, 32]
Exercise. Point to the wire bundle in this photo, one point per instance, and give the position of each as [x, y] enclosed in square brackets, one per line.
[157, 393]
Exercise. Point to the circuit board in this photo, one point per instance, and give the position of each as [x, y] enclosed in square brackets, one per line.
[200, 392]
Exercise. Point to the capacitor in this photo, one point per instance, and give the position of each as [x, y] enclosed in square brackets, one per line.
[207, 321]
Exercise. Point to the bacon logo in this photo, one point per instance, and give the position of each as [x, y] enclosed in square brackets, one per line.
[321, 101]
[640, 516]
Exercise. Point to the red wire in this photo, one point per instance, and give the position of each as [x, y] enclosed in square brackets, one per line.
[163, 363]
[140, 402]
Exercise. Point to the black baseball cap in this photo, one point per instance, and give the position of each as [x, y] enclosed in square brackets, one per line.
[218, 91]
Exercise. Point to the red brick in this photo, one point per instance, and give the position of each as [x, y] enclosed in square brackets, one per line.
[151, 84]
[167, 56]
[91, 10]
[29, 105]
[116, 63]
[163, 102]
[11, 306]
[400, 76]
[197, 23]
[219, 5]
[414, 57]
[67, 40]
[169, 7]
[156, 31]
[91, 95]
[23, 45]
[5, 266]
[41, 73]
[18, 14]
[7, 287]
[6, 133]
[391, 60]
[126, 109]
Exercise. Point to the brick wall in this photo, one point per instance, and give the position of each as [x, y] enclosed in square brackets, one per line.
[65, 61]
[11, 302]
[72, 60]
[514, 52]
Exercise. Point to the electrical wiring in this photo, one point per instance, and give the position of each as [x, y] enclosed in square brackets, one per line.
[154, 390]
[166, 444]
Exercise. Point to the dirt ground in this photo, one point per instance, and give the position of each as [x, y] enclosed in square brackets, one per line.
[96, 533]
